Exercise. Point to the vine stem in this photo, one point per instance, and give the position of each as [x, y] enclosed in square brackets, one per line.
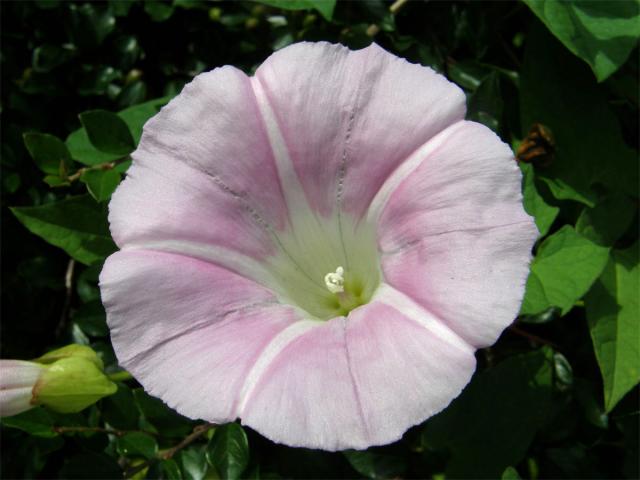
[68, 293]
[100, 166]
[198, 431]
[120, 376]
[373, 29]
[532, 337]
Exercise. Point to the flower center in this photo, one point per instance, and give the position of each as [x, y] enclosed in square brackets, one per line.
[335, 281]
[326, 267]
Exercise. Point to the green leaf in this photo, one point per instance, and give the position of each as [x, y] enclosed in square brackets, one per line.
[55, 181]
[563, 270]
[376, 464]
[491, 424]
[325, 7]
[613, 311]
[468, 74]
[485, 104]
[558, 91]
[171, 469]
[78, 225]
[119, 409]
[49, 153]
[137, 444]
[535, 205]
[47, 57]
[158, 10]
[164, 469]
[510, 473]
[91, 318]
[228, 451]
[608, 220]
[563, 371]
[193, 463]
[108, 132]
[90, 24]
[135, 117]
[101, 183]
[585, 393]
[161, 416]
[602, 33]
[36, 421]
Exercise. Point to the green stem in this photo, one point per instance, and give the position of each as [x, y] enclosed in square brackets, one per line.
[120, 376]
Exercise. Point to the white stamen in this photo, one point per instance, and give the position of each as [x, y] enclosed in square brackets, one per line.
[335, 281]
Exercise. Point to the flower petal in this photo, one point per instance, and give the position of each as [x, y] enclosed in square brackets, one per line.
[193, 178]
[306, 396]
[189, 331]
[17, 379]
[360, 381]
[350, 118]
[453, 233]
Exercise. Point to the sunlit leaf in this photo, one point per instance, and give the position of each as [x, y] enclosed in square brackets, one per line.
[78, 225]
[600, 32]
[565, 267]
[613, 311]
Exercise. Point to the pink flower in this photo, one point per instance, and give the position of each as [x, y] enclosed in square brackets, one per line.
[317, 250]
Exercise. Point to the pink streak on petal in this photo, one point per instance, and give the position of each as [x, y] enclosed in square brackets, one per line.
[187, 330]
[455, 237]
[357, 382]
[196, 167]
[182, 204]
[363, 111]
[306, 397]
[403, 372]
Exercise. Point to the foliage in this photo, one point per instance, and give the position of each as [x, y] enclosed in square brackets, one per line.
[555, 397]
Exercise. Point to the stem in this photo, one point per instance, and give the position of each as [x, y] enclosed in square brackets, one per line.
[100, 166]
[397, 5]
[68, 293]
[198, 431]
[532, 337]
[120, 376]
[374, 29]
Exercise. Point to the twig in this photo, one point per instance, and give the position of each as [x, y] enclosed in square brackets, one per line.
[532, 337]
[374, 29]
[100, 166]
[397, 5]
[120, 376]
[68, 294]
[198, 431]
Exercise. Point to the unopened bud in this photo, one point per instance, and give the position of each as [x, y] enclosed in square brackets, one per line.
[17, 379]
[68, 379]
[72, 384]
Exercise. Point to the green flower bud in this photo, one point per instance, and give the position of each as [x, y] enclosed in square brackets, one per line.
[73, 350]
[67, 379]
[72, 384]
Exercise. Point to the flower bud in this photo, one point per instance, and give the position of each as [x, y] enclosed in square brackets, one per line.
[17, 379]
[72, 384]
[66, 380]
[73, 350]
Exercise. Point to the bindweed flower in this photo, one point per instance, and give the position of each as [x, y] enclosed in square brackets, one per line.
[17, 379]
[66, 380]
[317, 250]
